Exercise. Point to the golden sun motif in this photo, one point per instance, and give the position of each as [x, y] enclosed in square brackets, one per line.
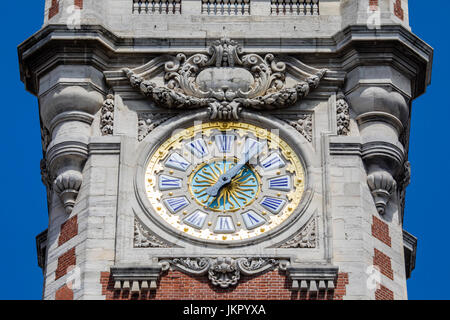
[238, 194]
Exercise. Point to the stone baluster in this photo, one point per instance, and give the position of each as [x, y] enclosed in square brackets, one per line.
[315, 7]
[246, 10]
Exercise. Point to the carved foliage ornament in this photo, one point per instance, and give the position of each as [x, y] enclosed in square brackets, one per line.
[306, 238]
[144, 238]
[107, 118]
[149, 121]
[225, 81]
[343, 115]
[225, 271]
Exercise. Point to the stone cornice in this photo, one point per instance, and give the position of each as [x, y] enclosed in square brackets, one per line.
[54, 45]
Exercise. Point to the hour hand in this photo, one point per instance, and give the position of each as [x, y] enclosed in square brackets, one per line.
[226, 177]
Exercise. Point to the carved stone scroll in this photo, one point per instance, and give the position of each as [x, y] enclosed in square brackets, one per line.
[225, 81]
[225, 271]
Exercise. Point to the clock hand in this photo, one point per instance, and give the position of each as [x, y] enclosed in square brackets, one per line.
[228, 176]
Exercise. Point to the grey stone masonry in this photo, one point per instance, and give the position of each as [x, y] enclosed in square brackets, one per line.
[336, 80]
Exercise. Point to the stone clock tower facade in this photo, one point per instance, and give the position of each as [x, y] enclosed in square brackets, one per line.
[225, 149]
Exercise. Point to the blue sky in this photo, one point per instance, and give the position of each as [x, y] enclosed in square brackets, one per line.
[23, 197]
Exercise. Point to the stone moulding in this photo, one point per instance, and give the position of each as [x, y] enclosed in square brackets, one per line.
[224, 80]
[225, 272]
[312, 279]
[136, 279]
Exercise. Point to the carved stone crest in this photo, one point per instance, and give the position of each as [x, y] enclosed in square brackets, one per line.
[224, 80]
[225, 271]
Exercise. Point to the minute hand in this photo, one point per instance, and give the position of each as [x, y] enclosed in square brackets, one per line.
[226, 177]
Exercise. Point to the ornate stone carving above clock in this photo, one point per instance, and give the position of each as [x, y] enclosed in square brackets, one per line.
[225, 81]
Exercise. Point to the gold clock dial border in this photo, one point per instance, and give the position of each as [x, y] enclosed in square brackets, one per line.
[174, 142]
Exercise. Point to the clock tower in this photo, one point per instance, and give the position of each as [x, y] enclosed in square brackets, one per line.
[225, 149]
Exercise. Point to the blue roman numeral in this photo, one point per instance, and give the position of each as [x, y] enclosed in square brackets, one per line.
[224, 225]
[252, 220]
[198, 148]
[176, 204]
[274, 161]
[168, 183]
[274, 205]
[176, 161]
[196, 220]
[280, 183]
[224, 142]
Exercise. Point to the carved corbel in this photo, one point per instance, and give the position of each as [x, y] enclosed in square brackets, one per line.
[382, 115]
[382, 185]
[68, 114]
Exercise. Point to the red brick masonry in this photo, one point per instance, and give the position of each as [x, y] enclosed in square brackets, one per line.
[384, 263]
[79, 4]
[64, 261]
[384, 293]
[380, 230]
[398, 11]
[69, 229]
[175, 285]
[64, 293]
[54, 9]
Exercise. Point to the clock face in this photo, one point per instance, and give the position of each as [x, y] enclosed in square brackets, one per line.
[224, 181]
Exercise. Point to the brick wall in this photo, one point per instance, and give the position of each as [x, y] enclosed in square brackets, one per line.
[398, 10]
[69, 229]
[64, 261]
[54, 9]
[373, 4]
[384, 293]
[175, 285]
[79, 4]
[64, 293]
[384, 263]
[341, 284]
[380, 230]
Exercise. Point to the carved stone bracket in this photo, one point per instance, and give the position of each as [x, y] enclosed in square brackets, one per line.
[225, 81]
[225, 271]
[107, 118]
[382, 185]
[136, 279]
[312, 279]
